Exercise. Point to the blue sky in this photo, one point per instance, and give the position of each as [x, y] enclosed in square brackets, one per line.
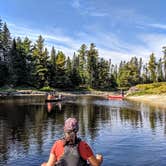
[120, 29]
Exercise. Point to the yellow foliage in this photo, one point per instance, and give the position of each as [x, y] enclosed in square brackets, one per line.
[154, 88]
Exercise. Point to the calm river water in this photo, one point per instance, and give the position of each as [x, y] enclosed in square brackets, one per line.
[126, 133]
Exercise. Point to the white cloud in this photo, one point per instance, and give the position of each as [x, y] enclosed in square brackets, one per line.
[96, 14]
[61, 41]
[115, 56]
[90, 10]
[109, 45]
[112, 47]
[160, 26]
[154, 42]
[76, 4]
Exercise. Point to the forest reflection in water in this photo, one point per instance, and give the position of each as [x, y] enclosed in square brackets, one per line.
[29, 126]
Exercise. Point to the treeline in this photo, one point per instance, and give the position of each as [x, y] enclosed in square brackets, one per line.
[23, 63]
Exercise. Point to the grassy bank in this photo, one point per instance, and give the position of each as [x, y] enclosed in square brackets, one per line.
[148, 89]
[153, 94]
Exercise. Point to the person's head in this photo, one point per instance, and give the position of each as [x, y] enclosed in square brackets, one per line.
[71, 127]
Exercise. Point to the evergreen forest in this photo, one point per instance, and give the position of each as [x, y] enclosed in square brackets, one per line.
[30, 64]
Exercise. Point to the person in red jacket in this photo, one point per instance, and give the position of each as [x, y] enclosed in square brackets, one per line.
[71, 150]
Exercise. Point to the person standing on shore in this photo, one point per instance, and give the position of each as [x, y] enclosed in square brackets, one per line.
[71, 150]
[122, 92]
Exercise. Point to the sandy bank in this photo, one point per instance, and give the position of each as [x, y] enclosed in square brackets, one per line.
[155, 100]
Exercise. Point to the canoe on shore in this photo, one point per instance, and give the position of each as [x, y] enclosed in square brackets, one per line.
[115, 97]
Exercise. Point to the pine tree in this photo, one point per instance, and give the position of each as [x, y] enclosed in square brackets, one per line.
[75, 77]
[145, 74]
[159, 71]
[1, 46]
[82, 54]
[52, 68]
[20, 63]
[69, 72]
[124, 75]
[114, 71]
[129, 73]
[105, 79]
[4, 53]
[14, 61]
[27, 54]
[164, 62]
[4, 73]
[61, 78]
[152, 68]
[3, 65]
[140, 67]
[164, 67]
[92, 61]
[134, 67]
[41, 61]
[6, 42]
[68, 65]
[60, 61]
[53, 57]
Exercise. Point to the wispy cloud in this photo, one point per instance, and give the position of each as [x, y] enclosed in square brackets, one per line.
[115, 56]
[97, 14]
[76, 4]
[94, 13]
[110, 46]
[61, 42]
[54, 38]
[69, 45]
[154, 42]
[119, 30]
[89, 10]
[160, 26]
[116, 13]
[113, 47]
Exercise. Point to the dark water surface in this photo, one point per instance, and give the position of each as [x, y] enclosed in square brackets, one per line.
[126, 133]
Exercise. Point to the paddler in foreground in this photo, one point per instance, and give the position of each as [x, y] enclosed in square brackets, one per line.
[71, 150]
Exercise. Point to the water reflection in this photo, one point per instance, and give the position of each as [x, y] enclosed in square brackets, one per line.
[28, 128]
[54, 106]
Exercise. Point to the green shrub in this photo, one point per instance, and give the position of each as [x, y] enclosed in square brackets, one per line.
[154, 88]
[47, 88]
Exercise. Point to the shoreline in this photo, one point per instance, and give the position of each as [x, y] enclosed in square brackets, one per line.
[154, 100]
[65, 93]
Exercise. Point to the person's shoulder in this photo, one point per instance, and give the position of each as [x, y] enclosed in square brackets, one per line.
[85, 150]
[58, 145]
[83, 144]
[59, 142]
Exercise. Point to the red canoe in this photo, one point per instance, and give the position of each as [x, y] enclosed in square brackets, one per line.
[115, 97]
